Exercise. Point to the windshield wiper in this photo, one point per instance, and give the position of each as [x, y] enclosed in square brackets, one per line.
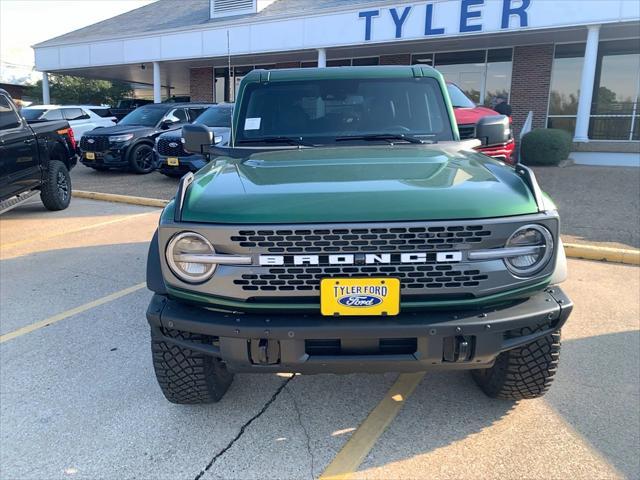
[384, 136]
[288, 140]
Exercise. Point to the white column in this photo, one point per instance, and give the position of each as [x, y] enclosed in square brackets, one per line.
[586, 85]
[322, 57]
[157, 88]
[46, 97]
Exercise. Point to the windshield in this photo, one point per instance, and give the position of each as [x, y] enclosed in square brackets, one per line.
[326, 111]
[458, 98]
[32, 113]
[215, 117]
[144, 116]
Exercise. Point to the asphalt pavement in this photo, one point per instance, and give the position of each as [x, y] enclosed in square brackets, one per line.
[79, 398]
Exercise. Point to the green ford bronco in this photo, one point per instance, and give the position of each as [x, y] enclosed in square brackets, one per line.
[346, 228]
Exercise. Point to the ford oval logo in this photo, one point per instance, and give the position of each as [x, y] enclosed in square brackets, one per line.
[91, 140]
[173, 144]
[360, 300]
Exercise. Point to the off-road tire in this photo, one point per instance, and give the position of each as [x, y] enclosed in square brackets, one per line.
[136, 161]
[524, 372]
[55, 192]
[185, 376]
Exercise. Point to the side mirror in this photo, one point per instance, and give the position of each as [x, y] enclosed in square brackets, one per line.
[196, 138]
[167, 123]
[493, 130]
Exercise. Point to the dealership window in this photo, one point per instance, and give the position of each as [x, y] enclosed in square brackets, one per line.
[566, 71]
[615, 109]
[481, 74]
[365, 61]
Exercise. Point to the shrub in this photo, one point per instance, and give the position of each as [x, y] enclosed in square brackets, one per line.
[545, 146]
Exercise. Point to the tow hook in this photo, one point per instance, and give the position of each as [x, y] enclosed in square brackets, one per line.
[264, 351]
[457, 349]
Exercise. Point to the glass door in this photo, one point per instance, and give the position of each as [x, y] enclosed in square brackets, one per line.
[615, 110]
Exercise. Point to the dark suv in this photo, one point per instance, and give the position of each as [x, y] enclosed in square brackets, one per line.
[171, 157]
[129, 144]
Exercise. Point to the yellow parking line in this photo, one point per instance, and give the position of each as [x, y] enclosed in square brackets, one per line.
[69, 313]
[365, 437]
[75, 230]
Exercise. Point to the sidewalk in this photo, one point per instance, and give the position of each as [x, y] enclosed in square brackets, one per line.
[597, 204]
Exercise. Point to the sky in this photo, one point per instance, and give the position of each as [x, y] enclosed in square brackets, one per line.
[27, 22]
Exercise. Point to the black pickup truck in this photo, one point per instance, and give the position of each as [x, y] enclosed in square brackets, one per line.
[34, 159]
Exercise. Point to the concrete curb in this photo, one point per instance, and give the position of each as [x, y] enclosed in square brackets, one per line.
[112, 197]
[607, 254]
[572, 250]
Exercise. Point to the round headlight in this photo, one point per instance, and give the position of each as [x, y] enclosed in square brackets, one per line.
[541, 242]
[182, 252]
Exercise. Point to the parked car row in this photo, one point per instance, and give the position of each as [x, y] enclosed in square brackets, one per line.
[150, 137]
[129, 144]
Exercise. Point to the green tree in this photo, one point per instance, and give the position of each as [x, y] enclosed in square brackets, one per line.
[66, 89]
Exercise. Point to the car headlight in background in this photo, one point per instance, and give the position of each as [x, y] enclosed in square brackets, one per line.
[120, 138]
[182, 257]
[537, 242]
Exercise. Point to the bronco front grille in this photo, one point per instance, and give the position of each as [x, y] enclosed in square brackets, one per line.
[412, 277]
[171, 147]
[96, 143]
[346, 240]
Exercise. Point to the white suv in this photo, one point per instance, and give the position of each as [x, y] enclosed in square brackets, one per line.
[82, 118]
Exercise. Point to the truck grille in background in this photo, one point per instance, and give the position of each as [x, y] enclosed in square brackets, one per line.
[166, 150]
[387, 240]
[412, 277]
[100, 143]
[467, 131]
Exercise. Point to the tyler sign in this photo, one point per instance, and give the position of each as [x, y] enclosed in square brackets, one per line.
[446, 18]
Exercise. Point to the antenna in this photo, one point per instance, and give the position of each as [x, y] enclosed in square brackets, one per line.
[229, 52]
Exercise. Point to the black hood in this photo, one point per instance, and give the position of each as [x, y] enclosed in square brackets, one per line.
[137, 130]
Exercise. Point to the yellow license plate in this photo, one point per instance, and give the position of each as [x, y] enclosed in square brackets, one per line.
[360, 296]
[173, 161]
[90, 155]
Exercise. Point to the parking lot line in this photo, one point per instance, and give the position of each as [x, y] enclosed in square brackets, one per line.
[364, 438]
[69, 313]
[75, 230]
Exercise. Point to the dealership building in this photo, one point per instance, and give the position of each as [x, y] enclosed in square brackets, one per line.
[572, 64]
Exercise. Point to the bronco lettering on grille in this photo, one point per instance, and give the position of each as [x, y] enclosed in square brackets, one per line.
[362, 258]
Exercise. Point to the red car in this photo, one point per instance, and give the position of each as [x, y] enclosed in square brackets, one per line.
[467, 115]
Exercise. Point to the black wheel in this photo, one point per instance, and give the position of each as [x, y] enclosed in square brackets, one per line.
[185, 376]
[141, 158]
[56, 188]
[522, 373]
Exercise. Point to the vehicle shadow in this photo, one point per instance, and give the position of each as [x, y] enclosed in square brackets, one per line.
[596, 392]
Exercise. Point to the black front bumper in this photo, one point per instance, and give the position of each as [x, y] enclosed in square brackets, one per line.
[408, 342]
[112, 158]
[191, 163]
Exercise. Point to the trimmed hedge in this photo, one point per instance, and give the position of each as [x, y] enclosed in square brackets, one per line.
[545, 146]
